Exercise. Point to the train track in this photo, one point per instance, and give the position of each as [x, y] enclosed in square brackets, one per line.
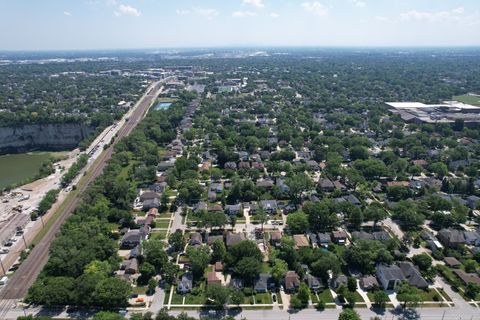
[28, 271]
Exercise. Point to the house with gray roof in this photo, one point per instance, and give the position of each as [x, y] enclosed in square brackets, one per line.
[185, 285]
[264, 283]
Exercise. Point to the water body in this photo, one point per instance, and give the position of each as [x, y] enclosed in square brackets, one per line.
[162, 105]
[16, 168]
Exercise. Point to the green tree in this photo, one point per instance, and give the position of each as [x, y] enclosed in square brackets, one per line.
[155, 254]
[423, 261]
[217, 295]
[152, 285]
[349, 314]
[380, 298]
[177, 240]
[297, 184]
[112, 292]
[237, 297]
[199, 259]
[472, 290]
[408, 295]
[375, 213]
[219, 251]
[297, 222]
[279, 269]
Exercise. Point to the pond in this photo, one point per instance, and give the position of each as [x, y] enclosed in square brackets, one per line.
[16, 168]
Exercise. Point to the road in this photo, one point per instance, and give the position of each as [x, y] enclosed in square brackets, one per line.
[28, 271]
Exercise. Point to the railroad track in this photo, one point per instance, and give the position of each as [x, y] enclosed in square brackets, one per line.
[28, 271]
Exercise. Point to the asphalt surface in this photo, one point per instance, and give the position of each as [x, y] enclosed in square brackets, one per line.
[28, 271]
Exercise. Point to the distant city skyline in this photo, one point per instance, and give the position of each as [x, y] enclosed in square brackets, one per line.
[136, 24]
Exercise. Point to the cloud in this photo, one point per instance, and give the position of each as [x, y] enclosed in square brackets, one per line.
[243, 14]
[67, 13]
[274, 15]
[359, 3]
[207, 13]
[126, 10]
[111, 2]
[255, 3]
[315, 8]
[426, 16]
[183, 12]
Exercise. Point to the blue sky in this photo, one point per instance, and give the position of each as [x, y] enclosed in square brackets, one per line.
[115, 24]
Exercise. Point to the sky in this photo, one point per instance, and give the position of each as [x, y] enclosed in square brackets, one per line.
[137, 24]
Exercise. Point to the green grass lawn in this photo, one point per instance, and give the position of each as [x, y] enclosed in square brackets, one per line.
[177, 298]
[162, 223]
[468, 99]
[428, 295]
[358, 297]
[195, 299]
[165, 215]
[325, 296]
[444, 294]
[140, 289]
[263, 298]
[161, 235]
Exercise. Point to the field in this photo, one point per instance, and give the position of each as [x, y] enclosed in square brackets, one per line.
[468, 99]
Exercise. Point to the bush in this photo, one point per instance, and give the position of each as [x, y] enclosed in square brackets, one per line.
[320, 304]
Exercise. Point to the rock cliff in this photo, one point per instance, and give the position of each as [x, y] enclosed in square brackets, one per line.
[55, 136]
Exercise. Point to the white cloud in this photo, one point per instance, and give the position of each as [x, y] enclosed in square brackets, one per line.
[359, 3]
[274, 15]
[426, 16]
[243, 14]
[126, 10]
[207, 13]
[315, 8]
[183, 12]
[67, 13]
[255, 3]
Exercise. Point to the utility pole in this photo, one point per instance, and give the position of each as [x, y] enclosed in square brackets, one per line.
[24, 241]
[3, 268]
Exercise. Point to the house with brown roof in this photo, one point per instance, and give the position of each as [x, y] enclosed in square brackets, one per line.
[234, 238]
[292, 281]
[339, 237]
[452, 262]
[467, 277]
[213, 279]
[301, 241]
[276, 238]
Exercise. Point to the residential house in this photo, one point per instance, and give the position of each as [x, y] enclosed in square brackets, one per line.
[339, 280]
[301, 241]
[378, 235]
[132, 239]
[185, 285]
[339, 237]
[291, 281]
[276, 238]
[265, 183]
[213, 279]
[218, 266]
[412, 274]
[473, 202]
[323, 239]
[212, 238]
[195, 239]
[389, 276]
[130, 266]
[270, 206]
[326, 185]
[452, 262]
[264, 283]
[236, 283]
[472, 238]
[150, 203]
[234, 238]
[467, 277]
[451, 238]
[314, 283]
[233, 209]
[369, 283]
[149, 195]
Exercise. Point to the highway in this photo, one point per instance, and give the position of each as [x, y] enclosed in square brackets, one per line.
[28, 271]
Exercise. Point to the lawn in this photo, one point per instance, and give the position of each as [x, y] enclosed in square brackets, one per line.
[177, 298]
[358, 297]
[195, 299]
[158, 235]
[140, 289]
[165, 215]
[263, 298]
[325, 296]
[428, 295]
[475, 100]
[163, 224]
[444, 294]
